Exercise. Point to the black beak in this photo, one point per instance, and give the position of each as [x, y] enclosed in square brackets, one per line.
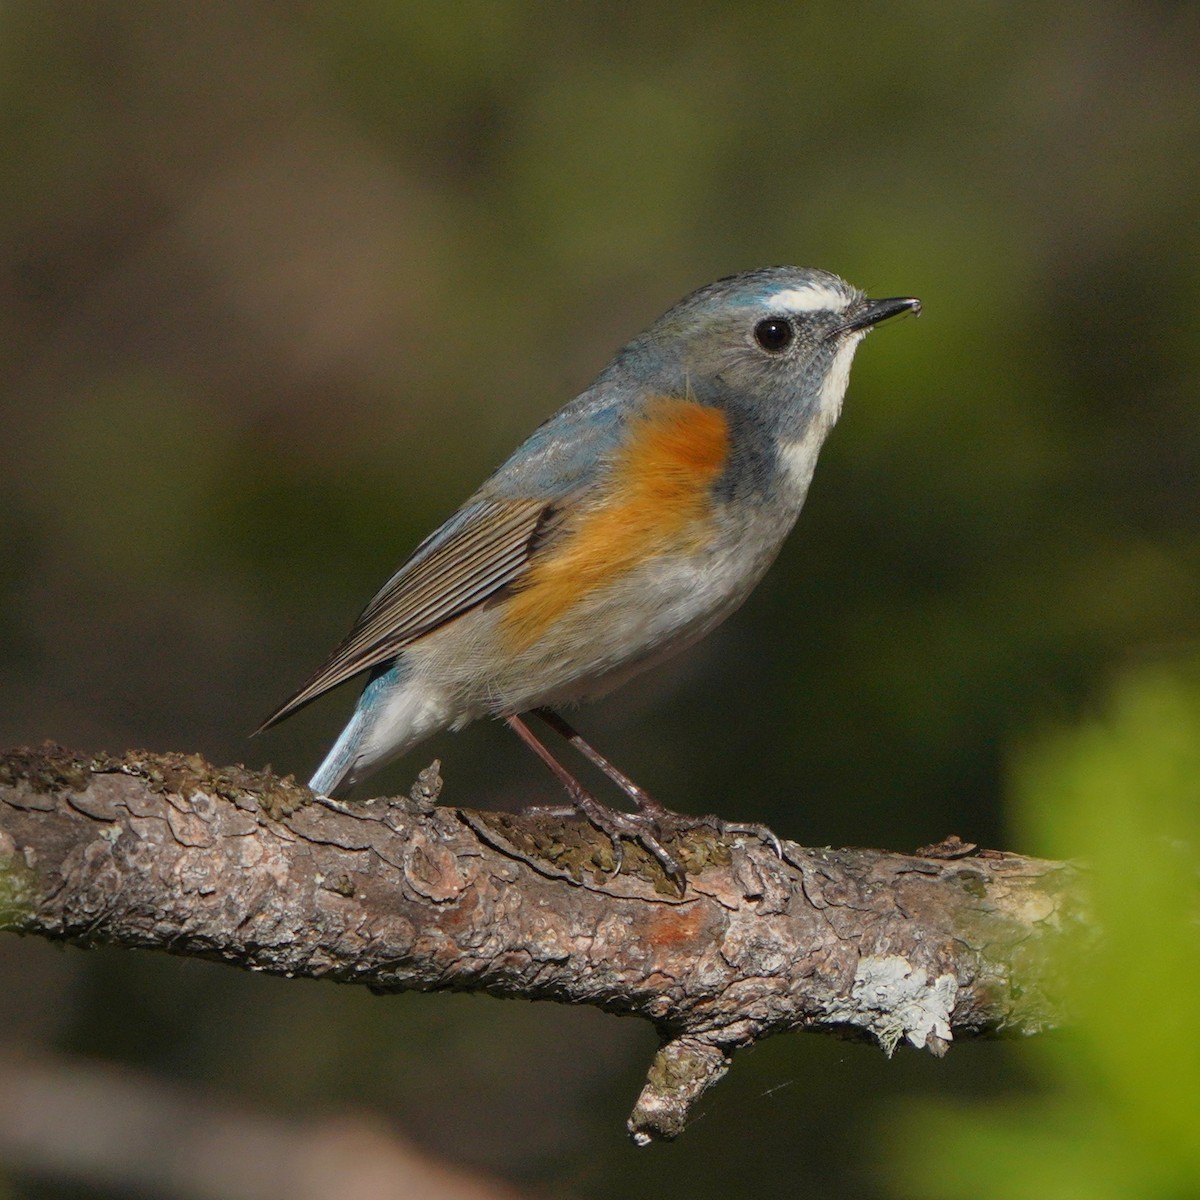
[874, 311]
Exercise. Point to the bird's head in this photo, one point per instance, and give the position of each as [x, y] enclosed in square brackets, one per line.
[778, 340]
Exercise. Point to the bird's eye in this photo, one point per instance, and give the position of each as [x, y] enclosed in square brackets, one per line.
[774, 334]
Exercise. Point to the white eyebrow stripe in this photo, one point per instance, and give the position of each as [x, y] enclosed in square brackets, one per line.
[812, 298]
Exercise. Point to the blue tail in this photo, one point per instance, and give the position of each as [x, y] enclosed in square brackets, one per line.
[335, 776]
[395, 711]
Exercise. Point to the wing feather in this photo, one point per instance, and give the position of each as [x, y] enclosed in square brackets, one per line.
[478, 551]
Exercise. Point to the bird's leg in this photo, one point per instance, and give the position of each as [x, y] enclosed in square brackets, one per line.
[660, 814]
[570, 734]
[615, 824]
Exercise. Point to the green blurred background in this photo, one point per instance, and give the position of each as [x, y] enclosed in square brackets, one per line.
[282, 282]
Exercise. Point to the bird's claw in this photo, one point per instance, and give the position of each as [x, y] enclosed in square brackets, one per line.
[650, 826]
[644, 831]
[751, 829]
[666, 818]
[640, 828]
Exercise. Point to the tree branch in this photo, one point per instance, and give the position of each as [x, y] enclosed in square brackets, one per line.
[166, 851]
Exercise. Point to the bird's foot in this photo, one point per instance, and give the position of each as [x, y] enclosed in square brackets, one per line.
[639, 827]
[667, 820]
[651, 826]
[653, 822]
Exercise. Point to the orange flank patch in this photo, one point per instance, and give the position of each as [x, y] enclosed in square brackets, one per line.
[659, 502]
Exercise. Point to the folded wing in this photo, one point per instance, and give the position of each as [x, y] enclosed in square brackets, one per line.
[483, 548]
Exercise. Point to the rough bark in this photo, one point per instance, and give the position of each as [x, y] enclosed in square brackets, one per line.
[169, 852]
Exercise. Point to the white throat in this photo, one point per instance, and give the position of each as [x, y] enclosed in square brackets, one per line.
[798, 457]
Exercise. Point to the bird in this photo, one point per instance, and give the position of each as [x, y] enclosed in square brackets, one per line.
[625, 528]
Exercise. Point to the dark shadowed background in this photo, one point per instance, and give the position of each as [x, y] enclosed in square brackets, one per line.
[280, 283]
